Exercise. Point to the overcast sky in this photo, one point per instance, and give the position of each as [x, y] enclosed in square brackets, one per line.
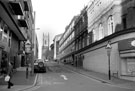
[52, 16]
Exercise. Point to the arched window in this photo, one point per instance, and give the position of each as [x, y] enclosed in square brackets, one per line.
[110, 25]
[101, 32]
[94, 35]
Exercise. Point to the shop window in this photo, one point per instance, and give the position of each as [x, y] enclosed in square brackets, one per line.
[130, 66]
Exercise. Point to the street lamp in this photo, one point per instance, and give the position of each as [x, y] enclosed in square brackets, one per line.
[27, 51]
[109, 48]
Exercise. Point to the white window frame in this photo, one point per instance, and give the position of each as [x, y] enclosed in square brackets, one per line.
[110, 25]
[94, 34]
[101, 31]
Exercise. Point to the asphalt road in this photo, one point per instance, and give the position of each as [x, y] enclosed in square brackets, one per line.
[59, 78]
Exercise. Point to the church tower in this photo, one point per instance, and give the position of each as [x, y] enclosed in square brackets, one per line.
[45, 46]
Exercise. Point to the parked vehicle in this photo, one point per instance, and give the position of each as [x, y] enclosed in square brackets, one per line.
[39, 66]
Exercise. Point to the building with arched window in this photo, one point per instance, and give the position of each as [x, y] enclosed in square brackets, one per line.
[105, 21]
[111, 20]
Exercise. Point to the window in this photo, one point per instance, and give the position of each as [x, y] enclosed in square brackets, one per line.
[5, 34]
[9, 41]
[83, 41]
[124, 21]
[101, 32]
[110, 25]
[88, 36]
[94, 35]
[1, 30]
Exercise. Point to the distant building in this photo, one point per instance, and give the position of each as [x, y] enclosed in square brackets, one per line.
[45, 47]
[36, 47]
[56, 46]
[51, 52]
[67, 43]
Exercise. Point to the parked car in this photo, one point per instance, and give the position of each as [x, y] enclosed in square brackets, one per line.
[39, 66]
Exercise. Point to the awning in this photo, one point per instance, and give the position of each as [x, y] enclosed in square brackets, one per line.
[126, 47]
[127, 53]
[17, 8]
[128, 44]
[22, 23]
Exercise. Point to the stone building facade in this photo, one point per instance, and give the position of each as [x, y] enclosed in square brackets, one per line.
[108, 21]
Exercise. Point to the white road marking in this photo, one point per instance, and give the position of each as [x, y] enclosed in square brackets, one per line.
[64, 77]
[35, 79]
[58, 83]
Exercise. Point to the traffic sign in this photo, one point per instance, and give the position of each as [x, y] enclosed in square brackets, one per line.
[28, 47]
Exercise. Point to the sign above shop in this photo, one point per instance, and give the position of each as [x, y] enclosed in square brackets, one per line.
[127, 48]
[126, 44]
[133, 43]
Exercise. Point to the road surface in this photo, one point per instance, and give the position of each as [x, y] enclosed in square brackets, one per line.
[59, 78]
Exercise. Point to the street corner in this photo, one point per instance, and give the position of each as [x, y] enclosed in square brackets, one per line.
[21, 84]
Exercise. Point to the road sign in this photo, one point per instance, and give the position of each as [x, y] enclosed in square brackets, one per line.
[28, 47]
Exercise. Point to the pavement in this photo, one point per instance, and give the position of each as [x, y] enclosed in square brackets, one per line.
[19, 79]
[103, 77]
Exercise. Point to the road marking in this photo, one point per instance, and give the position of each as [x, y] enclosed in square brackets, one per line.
[64, 77]
[58, 83]
[35, 81]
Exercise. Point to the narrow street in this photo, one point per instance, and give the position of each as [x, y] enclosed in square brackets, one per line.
[59, 78]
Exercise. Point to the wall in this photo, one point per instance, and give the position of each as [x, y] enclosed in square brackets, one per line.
[95, 58]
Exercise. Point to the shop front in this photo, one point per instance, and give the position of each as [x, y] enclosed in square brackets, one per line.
[127, 56]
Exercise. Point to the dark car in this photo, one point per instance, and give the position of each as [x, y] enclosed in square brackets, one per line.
[39, 66]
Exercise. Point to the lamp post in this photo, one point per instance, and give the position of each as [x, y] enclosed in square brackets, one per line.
[109, 48]
[27, 51]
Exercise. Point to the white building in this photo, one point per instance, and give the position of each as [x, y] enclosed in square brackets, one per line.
[111, 20]
[56, 46]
